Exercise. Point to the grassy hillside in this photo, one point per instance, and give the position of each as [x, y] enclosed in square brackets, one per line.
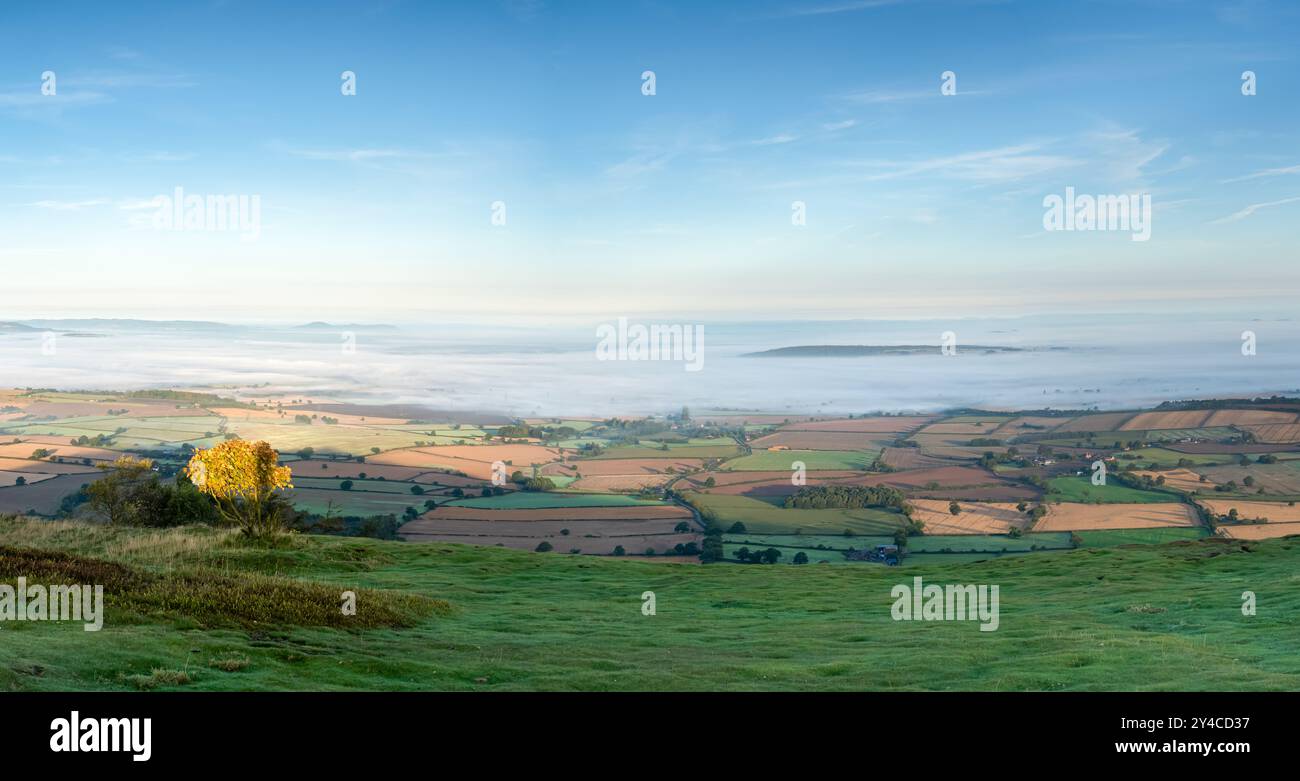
[440, 616]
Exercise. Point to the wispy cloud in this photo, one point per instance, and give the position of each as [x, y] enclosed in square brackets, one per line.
[1001, 164]
[780, 138]
[31, 99]
[128, 80]
[834, 8]
[357, 155]
[1122, 153]
[158, 157]
[1251, 209]
[1290, 169]
[69, 206]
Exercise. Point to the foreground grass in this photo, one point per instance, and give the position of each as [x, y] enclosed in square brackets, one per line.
[1162, 617]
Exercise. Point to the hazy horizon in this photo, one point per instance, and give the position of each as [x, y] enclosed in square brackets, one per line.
[1068, 362]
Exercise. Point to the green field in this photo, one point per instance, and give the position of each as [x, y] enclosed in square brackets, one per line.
[1162, 457]
[762, 517]
[381, 486]
[948, 560]
[964, 543]
[1081, 489]
[1111, 537]
[695, 448]
[808, 541]
[537, 500]
[1162, 617]
[780, 460]
[359, 503]
[787, 554]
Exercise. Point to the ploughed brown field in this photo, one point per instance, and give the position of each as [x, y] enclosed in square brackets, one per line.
[1249, 417]
[43, 497]
[46, 467]
[352, 470]
[1002, 492]
[1277, 512]
[724, 480]
[1081, 517]
[25, 449]
[504, 527]
[622, 466]
[1276, 433]
[1150, 421]
[11, 478]
[1106, 421]
[474, 460]
[974, 518]
[972, 482]
[634, 513]
[1182, 479]
[593, 530]
[945, 476]
[316, 467]
[1259, 531]
[911, 458]
[1027, 425]
[1217, 447]
[962, 430]
[1280, 479]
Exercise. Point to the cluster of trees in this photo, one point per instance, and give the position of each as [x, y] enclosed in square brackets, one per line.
[380, 527]
[991, 459]
[711, 549]
[535, 483]
[1144, 482]
[99, 440]
[1034, 513]
[525, 431]
[847, 497]
[132, 494]
[769, 556]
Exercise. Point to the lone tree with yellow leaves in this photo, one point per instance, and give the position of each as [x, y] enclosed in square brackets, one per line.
[242, 477]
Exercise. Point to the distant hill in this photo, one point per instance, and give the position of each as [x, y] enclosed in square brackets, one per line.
[860, 350]
[16, 328]
[125, 324]
[323, 326]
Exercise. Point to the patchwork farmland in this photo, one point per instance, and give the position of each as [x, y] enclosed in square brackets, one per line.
[962, 486]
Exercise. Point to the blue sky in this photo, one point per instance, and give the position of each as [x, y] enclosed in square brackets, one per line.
[378, 205]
